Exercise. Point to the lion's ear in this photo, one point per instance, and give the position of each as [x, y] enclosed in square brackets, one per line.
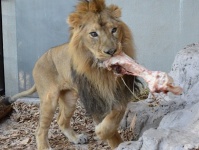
[115, 11]
[74, 20]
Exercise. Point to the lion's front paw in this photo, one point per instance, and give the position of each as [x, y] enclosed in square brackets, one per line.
[104, 132]
[100, 132]
[82, 139]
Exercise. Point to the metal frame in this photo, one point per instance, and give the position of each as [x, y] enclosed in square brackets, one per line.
[2, 80]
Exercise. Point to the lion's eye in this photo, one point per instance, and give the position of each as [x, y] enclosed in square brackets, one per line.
[94, 34]
[114, 30]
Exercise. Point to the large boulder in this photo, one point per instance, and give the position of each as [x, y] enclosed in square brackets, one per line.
[169, 121]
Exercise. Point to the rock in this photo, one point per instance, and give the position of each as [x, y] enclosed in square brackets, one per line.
[169, 121]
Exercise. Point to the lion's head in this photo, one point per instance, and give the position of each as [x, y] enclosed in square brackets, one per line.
[97, 31]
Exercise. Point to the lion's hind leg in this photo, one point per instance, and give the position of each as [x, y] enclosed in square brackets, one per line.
[48, 106]
[67, 106]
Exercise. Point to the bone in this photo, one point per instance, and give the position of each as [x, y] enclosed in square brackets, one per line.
[157, 81]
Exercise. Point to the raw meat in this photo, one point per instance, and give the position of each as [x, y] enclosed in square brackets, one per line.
[157, 81]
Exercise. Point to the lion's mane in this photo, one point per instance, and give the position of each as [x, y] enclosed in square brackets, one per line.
[98, 88]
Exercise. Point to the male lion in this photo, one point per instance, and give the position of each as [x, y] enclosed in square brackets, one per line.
[73, 70]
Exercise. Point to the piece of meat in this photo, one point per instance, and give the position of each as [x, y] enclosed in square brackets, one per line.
[157, 81]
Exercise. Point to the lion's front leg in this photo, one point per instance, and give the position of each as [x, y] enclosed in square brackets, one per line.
[107, 129]
[67, 106]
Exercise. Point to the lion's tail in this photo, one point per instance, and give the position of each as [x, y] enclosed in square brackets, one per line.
[10, 100]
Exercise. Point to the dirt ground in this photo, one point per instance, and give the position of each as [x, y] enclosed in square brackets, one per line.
[17, 130]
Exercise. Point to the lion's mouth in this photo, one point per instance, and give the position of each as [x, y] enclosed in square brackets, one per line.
[118, 70]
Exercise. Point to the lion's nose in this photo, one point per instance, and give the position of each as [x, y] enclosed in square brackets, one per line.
[110, 51]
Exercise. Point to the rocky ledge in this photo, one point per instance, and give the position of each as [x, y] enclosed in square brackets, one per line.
[168, 122]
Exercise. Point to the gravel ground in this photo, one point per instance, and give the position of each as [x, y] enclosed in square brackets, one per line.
[17, 130]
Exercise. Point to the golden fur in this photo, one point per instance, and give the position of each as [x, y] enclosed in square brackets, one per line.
[72, 70]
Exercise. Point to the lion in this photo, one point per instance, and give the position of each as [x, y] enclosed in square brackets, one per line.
[73, 70]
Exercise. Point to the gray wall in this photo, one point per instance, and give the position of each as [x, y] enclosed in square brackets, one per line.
[10, 47]
[30, 27]
[40, 25]
[161, 28]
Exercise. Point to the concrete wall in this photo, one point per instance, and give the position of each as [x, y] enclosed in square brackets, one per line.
[29, 29]
[1, 60]
[10, 47]
[160, 29]
[40, 25]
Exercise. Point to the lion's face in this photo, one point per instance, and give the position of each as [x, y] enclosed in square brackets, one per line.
[97, 29]
[101, 36]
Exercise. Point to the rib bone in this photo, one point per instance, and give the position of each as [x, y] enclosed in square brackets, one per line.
[157, 81]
